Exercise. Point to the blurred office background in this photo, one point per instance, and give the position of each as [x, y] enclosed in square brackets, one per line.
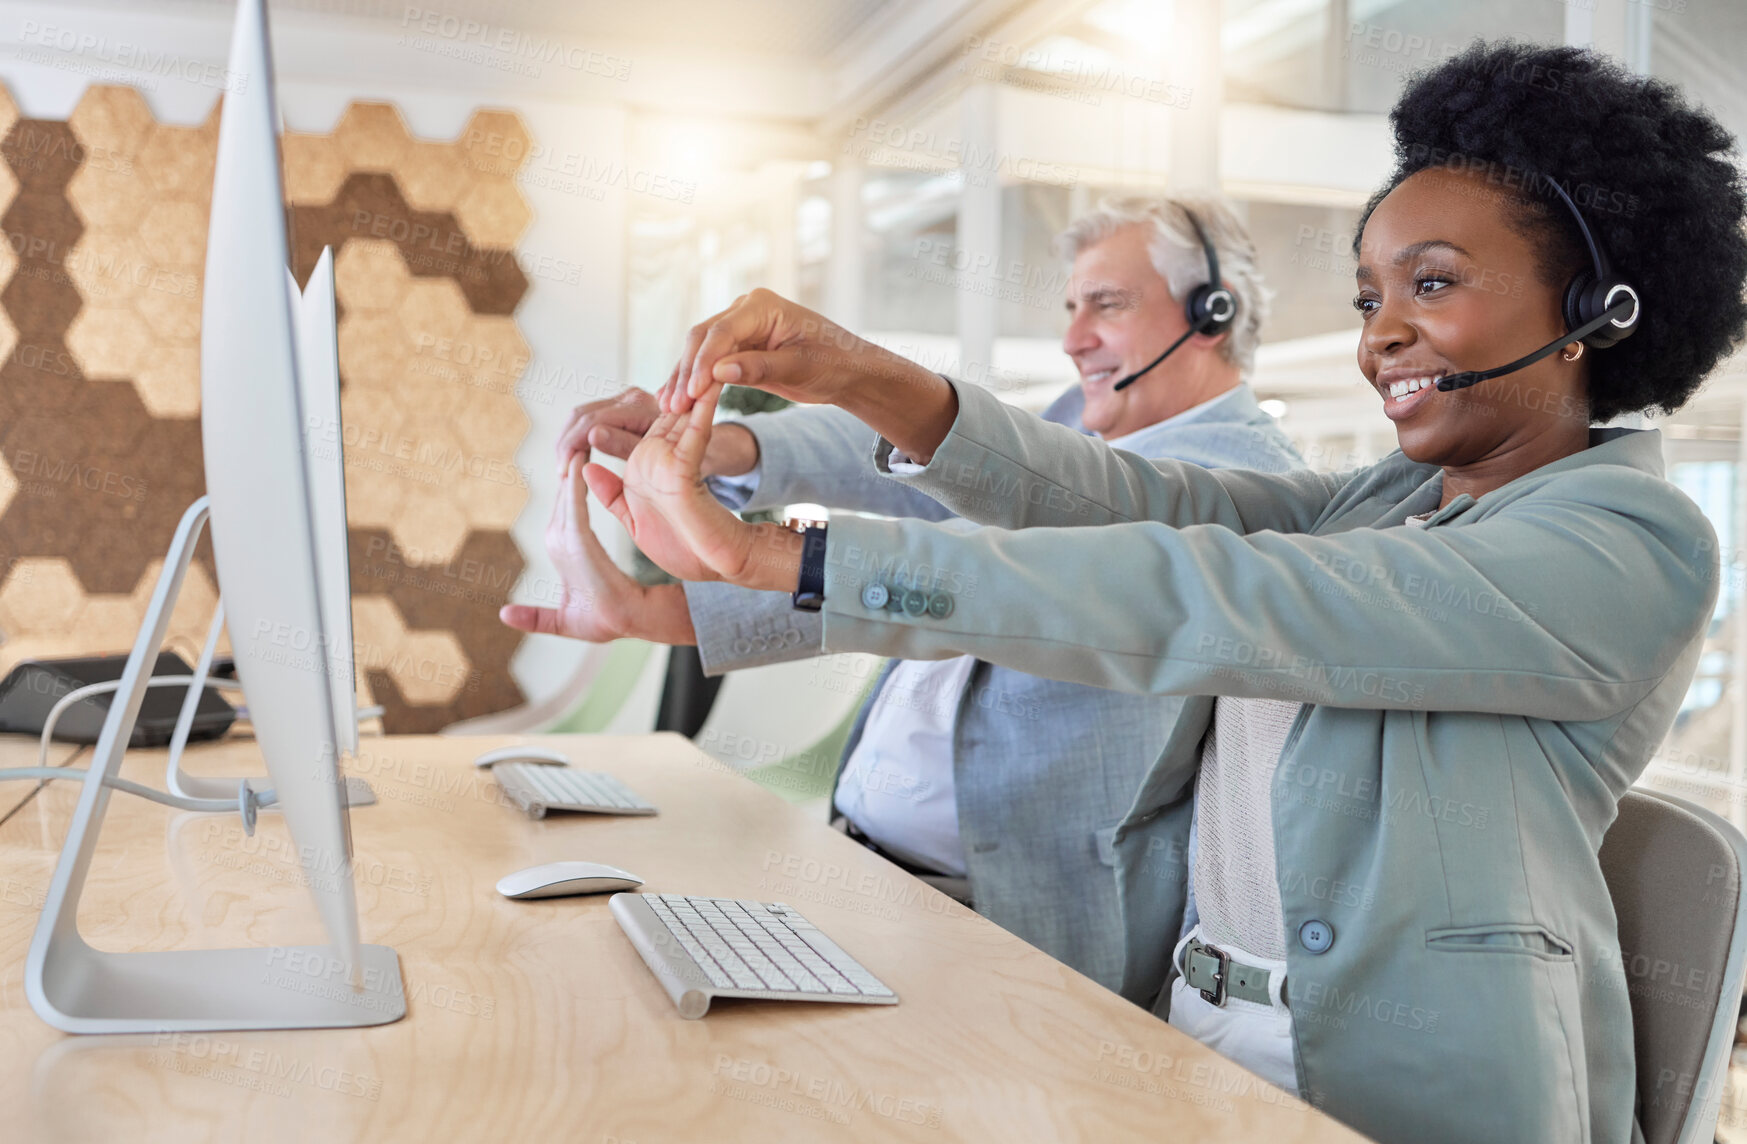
[532, 201]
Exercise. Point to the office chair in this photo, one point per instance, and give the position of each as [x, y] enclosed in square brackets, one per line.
[1674, 871]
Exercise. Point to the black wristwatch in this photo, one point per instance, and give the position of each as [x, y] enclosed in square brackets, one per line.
[809, 595]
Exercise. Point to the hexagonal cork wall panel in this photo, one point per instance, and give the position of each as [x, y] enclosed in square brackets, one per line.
[104, 218]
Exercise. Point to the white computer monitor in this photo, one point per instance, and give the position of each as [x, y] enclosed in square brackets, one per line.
[278, 522]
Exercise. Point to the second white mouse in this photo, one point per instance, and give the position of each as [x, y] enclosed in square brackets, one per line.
[558, 879]
[525, 753]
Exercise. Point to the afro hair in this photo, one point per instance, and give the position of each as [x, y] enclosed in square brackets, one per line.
[1652, 175]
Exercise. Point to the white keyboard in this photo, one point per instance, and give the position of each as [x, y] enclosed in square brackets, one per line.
[539, 787]
[704, 948]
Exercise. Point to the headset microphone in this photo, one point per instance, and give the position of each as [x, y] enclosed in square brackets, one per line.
[1210, 307]
[1594, 310]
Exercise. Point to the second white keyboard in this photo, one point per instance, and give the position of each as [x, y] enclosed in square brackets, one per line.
[539, 787]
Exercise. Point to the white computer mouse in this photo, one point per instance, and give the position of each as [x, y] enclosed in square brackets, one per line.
[522, 754]
[557, 879]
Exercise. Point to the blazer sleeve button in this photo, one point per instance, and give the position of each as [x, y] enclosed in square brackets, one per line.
[940, 605]
[915, 602]
[1316, 935]
[874, 596]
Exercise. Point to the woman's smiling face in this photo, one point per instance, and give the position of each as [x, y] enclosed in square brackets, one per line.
[1448, 281]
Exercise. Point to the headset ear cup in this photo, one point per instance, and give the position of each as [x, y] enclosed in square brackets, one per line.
[1572, 308]
[1210, 309]
[1586, 299]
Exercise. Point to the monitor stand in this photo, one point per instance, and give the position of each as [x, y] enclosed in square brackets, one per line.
[78, 989]
[180, 782]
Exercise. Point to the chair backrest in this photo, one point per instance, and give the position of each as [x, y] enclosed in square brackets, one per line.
[1674, 872]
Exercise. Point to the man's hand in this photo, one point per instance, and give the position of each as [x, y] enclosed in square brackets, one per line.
[772, 344]
[663, 503]
[598, 602]
[615, 424]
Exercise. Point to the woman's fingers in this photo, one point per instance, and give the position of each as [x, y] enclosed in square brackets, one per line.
[610, 491]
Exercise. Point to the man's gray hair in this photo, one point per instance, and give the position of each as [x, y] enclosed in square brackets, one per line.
[1177, 256]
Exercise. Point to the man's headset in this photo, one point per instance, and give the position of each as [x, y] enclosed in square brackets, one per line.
[1210, 307]
[1599, 308]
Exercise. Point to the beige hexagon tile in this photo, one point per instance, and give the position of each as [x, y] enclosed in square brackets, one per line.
[429, 667]
[433, 306]
[41, 595]
[492, 502]
[109, 269]
[373, 350]
[370, 275]
[492, 352]
[107, 199]
[430, 525]
[178, 161]
[168, 380]
[8, 110]
[112, 118]
[8, 485]
[8, 332]
[172, 315]
[108, 342]
[373, 496]
[493, 214]
[314, 168]
[433, 177]
[495, 144]
[109, 624]
[173, 234]
[191, 618]
[491, 424]
[372, 137]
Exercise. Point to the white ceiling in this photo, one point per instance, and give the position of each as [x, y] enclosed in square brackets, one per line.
[777, 27]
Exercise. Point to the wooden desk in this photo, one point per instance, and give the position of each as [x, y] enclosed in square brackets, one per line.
[536, 1021]
[21, 751]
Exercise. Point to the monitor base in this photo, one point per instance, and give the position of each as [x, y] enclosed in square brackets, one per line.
[79, 989]
[285, 987]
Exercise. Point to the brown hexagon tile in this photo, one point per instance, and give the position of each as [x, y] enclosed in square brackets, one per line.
[434, 245]
[370, 275]
[433, 177]
[173, 233]
[373, 350]
[168, 380]
[108, 342]
[376, 624]
[372, 137]
[314, 168]
[40, 596]
[494, 214]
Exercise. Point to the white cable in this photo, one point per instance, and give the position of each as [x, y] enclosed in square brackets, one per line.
[245, 804]
[105, 688]
[131, 787]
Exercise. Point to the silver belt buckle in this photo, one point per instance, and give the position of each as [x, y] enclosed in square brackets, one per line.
[1216, 995]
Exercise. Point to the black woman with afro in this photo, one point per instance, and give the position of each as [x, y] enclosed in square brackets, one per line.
[1415, 692]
